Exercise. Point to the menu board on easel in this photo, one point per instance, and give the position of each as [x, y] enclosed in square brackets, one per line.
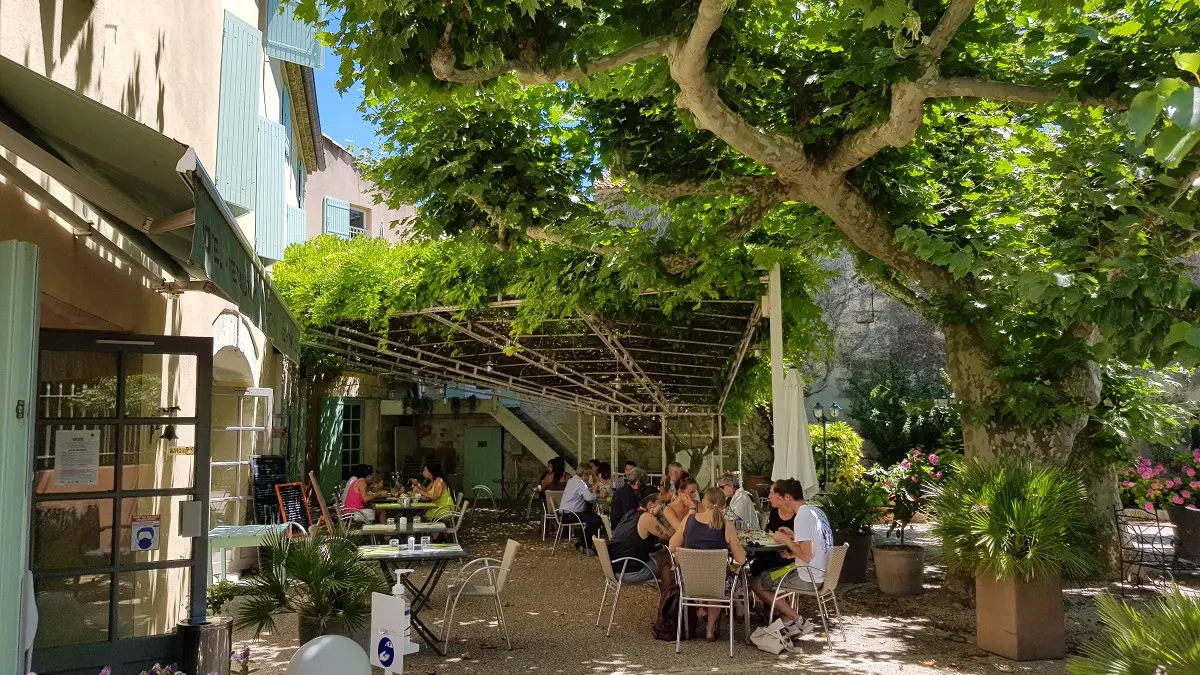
[293, 504]
[265, 473]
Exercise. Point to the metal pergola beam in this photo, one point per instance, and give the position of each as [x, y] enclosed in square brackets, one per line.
[743, 346]
[625, 358]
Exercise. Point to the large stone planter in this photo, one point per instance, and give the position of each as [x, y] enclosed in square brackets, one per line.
[900, 568]
[854, 570]
[1187, 530]
[309, 631]
[1020, 620]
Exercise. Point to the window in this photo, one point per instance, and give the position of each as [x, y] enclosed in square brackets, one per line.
[352, 423]
[241, 429]
[358, 222]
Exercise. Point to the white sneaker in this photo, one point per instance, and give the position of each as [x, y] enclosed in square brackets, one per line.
[799, 628]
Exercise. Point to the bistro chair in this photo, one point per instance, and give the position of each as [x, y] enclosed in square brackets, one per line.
[547, 511]
[612, 579]
[454, 519]
[481, 492]
[823, 593]
[701, 576]
[607, 525]
[491, 586]
[1148, 548]
[563, 521]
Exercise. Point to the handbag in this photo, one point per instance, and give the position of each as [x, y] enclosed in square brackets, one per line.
[770, 638]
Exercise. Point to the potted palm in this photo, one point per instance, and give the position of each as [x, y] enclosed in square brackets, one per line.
[852, 509]
[900, 568]
[1018, 528]
[1159, 636]
[321, 579]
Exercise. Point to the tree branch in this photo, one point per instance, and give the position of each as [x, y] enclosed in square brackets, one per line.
[970, 87]
[743, 186]
[956, 14]
[747, 218]
[689, 69]
[527, 71]
[540, 234]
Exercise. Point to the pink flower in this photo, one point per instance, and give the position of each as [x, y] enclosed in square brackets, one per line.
[1126, 483]
[1196, 454]
[1186, 494]
[1149, 493]
[914, 479]
[905, 464]
[1177, 499]
[1149, 507]
[938, 475]
[933, 459]
[1189, 472]
[1145, 473]
[917, 453]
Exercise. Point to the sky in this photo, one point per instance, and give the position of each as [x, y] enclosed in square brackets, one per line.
[340, 119]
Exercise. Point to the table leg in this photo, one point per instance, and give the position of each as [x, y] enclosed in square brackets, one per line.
[224, 564]
[421, 599]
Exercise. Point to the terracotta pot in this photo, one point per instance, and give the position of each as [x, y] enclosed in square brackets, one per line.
[854, 570]
[900, 568]
[1020, 620]
[1187, 527]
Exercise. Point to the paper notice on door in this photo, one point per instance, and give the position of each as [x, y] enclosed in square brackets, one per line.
[145, 533]
[76, 458]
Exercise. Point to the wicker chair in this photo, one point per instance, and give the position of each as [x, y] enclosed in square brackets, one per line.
[563, 521]
[701, 577]
[824, 593]
[454, 519]
[496, 572]
[607, 525]
[612, 579]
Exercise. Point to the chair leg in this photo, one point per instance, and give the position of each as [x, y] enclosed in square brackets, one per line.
[557, 534]
[613, 613]
[824, 620]
[679, 625]
[503, 624]
[603, 597]
[732, 620]
[838, 610]
[449, 615]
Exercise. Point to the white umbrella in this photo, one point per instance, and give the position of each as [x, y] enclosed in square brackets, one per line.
[793, 448]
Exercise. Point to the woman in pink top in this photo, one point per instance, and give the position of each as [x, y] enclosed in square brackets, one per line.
[359, 494]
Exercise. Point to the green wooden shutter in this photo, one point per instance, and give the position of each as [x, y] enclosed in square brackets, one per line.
[291, 39]
[237, 114]
[330, 449]
[337, 217]
[285, 118]
[270, 215]
[297, 225]
[18, 352]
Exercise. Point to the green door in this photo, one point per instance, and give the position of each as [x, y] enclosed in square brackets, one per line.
[483, 458]
[329, 468]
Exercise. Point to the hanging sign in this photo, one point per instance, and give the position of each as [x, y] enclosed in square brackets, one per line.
[76, 458]
[145, 533]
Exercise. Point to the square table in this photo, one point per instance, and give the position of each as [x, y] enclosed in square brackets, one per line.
[225, 537]
[392, 558]
[383, 530]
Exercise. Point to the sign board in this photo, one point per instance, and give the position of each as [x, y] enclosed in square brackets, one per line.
[389, 632]
[265, 473]
[293, 504]
[76, 458]
[183, 450]
[145, 533]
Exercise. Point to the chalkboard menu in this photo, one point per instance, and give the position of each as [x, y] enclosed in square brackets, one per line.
[265, 473]
[293, 504]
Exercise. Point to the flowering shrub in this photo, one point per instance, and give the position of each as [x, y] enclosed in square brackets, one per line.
[1154, 485]
[240, 663]
[907, 484]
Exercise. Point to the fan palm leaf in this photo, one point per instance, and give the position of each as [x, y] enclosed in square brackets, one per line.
[1161, 638]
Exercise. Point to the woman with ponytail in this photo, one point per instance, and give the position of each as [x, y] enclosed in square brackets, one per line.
[707, 529]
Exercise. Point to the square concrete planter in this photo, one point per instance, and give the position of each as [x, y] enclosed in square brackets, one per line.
[1020, 620]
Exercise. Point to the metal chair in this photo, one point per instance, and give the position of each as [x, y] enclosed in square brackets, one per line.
[486, 493]
[701, 576]
[547, 511]
[562, 520]
[823, 592]
[454, 519]
[496, 572]
[1149, 548]
[607, 525]
[613, 579]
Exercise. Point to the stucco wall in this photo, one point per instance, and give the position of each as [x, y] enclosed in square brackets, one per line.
[341, 180]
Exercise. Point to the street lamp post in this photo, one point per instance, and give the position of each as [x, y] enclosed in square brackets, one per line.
[820, 413]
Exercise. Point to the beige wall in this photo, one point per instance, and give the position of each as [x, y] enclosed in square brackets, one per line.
[341, 180]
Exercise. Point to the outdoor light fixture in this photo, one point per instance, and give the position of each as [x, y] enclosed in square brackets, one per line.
[820, 414]
[834, 410]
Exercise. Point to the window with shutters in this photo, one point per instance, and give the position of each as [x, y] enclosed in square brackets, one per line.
[337, 217]
[237, 113]
[290, 38]
[358, 222]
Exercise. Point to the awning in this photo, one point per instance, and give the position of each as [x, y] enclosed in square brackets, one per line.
[149, 187]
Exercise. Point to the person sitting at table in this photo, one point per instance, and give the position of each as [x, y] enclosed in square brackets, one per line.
[359, 494]
[435, 491]
[808, 545]
[603, 482]
[739, 504]
[685, 501]
[554, 480]
[708, 530]
[627, 497]
[669, 483]
[637, 537]
[576, 507]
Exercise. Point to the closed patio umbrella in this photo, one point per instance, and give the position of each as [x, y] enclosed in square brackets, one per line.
[793, 448]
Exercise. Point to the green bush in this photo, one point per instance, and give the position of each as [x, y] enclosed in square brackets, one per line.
[1162, 637]
[896, 409]
[1014, 520]
[909, 482]
[852, 509]
[845, 452]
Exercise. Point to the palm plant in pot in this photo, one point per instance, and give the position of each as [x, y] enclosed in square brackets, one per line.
[321, 579]
[900, 568]
[1018, 528]
[852, 509]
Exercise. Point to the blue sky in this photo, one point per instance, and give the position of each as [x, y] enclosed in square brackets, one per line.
[340, 119]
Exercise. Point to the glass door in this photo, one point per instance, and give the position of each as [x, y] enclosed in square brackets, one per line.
[120, 508]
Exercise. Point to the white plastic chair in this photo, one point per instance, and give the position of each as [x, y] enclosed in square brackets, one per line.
[823, 593]
[612, 579]
[496, 572]
[701, 576]
[567, 521]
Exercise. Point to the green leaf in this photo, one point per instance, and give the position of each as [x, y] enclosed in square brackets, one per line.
[1178, 333]
[1193, 336]
[1189, 61]
[1126, 29]
[1173, 144]
[1143, 112]
[1183, 108]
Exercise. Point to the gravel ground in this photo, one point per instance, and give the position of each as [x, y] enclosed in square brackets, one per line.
[551, 603]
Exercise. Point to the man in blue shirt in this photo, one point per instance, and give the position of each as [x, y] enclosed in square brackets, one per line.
[577, 505]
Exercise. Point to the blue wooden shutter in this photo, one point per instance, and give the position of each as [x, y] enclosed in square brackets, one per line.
[329, 449]
[337, 217]
[237, 116]
[290, 39]
[297, 225]
[285, 117]
[270, 217]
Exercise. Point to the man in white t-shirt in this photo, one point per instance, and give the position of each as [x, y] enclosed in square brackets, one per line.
[809, 545]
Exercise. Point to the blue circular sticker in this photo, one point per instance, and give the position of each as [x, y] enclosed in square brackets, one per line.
[145, 538]
[387, 653]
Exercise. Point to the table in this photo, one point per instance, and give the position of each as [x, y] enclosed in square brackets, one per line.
[225, 537]
[392, 558]
[383, 510]
[397, 530]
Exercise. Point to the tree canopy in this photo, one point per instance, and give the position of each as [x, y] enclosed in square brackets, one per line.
[1018, 171]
